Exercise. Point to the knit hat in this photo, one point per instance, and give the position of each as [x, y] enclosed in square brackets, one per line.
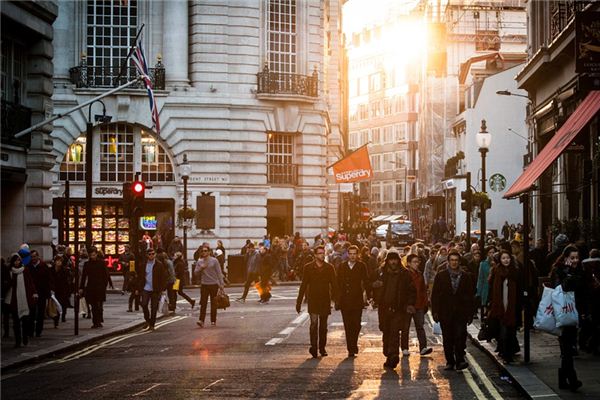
[392, 253]
[561, 240]
[375, 251]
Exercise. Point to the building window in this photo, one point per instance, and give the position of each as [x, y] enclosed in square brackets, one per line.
[388, 161]
[13, 71]
[280, 156]
[376, 134]
[122, 150]
[400, 191]
[400, 131]
[376, 162]
[73, 166]
[116, 152]
[111, 28]
[388, 134]
[388, 191]
[281, 34]
[375, 192]
[400, 159]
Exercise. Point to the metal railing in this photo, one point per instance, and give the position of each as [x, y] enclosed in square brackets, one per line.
[561, 13]
[90, 76]
[282, 174]
[15, 118]
[284, 83]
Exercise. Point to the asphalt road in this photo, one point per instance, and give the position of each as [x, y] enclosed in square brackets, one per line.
[255, 351]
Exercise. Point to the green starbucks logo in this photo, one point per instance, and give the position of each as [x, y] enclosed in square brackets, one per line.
[497, 182]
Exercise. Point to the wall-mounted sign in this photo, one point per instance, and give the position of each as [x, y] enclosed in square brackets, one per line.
[103, 191]
[587, 42]
[214, 179]
[148, 223]
[497, 182]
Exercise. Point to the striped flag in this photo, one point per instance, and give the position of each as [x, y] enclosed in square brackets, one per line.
[140, 63]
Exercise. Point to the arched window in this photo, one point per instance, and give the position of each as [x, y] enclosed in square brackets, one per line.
[120, 149]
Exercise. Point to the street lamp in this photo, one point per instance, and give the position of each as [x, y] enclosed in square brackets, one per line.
[484, 139]
[509, 93]
[185, 175]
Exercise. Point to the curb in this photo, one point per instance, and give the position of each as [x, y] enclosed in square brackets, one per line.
[78, 341]
[527, 382]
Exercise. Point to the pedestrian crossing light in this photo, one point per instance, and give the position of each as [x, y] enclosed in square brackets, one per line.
[467, 200]
[138, 189]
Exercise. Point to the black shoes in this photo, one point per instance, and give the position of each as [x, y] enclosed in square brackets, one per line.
[323, 353]
[313, 352]
[351, 355]
[391, 362]
[461, 365]
[449, 367]
[568, 380]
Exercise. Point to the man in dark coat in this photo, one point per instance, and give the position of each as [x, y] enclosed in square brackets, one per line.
[153, 277]
[42, 279]
[94, 280]
[398, 296]
[352, 279]
[319, 285]
[453, 305]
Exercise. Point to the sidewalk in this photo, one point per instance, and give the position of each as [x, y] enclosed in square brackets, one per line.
[55, 340]
[539, 378]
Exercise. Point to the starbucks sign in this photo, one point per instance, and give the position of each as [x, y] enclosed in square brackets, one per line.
[497, 182]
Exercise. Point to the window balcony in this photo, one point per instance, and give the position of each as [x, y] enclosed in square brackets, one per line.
[282, 86]
[562, 12]
[282, 174]
[15, 118]
[89, 76]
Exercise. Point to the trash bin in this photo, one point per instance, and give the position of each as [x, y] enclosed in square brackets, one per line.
[236, 270]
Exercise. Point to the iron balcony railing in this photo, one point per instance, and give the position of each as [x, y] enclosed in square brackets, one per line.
[90, 76]
[289, 84]
[15, 118]
[562, 12]
[282, 174]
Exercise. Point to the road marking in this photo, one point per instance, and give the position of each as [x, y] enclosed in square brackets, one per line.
[274, 341]
[484, 379]
[147, 390]
[286, 332]
[206, 388]
[97, 387]
[471, 382]
[300, 319]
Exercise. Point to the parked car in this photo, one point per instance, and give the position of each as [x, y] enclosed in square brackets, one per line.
[381, 232]
[399, 233]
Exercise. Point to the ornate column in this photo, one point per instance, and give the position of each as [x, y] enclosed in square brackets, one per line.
[175, 42]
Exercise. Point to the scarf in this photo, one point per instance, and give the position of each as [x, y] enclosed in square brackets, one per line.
[21, 297]
[454, 279]
[504, 296]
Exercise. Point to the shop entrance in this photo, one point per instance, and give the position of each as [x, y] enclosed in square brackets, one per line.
[280, 217]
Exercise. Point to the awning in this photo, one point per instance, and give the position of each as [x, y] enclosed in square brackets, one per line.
[380, 218]
[565, 135]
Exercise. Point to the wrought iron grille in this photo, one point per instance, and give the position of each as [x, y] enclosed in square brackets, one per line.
[88, 76]
[282, 174]
[562, 12]
[284, 83]
[15, 118]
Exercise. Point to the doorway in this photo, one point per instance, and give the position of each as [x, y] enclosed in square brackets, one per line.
[280, 217]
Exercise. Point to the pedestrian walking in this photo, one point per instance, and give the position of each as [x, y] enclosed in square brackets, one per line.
[20, 297]
[421, 306]
[6, 282]
[181, 273]
[61, 275]
[452, 304]
[124, 259]
[265, 268]
[152, 282]
[131, 286]
[567, 271]
[211, 280]
[252, 269]
[94, 280]
[42, 279]
[505, 304]
[162, 256]
[319, 285]
[398, 297]
[483, 283]
[175, 246]
[352, 279]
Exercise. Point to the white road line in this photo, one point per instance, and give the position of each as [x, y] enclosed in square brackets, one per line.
[274, 341]
[287, 331]
[147, 390]
[206, 388]
[97, 387]
[300, 319]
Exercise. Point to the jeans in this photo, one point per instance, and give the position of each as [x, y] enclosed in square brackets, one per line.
[152, 298]
[391, 323]
[252, 277]
[318, 331]
[454, 336]
[351, 320]
[37, 314]
[207, 291]
[20, 327]
[134, 298]
[419, 318]
[97, 312]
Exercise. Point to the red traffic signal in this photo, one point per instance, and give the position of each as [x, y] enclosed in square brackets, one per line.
[138, 188]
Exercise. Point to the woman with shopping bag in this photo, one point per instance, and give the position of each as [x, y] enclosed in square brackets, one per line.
[568, 274]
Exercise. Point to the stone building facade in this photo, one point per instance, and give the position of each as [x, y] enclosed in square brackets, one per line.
[244, 91]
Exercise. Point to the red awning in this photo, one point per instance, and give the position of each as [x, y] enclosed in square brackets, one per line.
[565, 135]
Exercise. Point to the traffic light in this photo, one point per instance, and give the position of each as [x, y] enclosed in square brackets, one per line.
[127, 198]
[467, 200]
[138, 195]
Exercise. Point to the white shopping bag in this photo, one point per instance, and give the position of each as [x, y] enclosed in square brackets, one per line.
[544, 318]
[564, 308]
[163, 304]
[437, 328]
[57, 304]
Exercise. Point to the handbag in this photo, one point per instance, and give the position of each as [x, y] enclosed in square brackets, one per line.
[489, 330]
[222, 299]
[176, 285]
[51, 309]
[82, 306]
[437, 328]
[163, 304]
[544, 317]
[565, 311]
[59, 309]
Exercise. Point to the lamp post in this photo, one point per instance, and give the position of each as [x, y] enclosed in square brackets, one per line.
[483, 138]
[185, 175]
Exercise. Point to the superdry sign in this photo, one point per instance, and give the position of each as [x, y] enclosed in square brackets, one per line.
[354, 168]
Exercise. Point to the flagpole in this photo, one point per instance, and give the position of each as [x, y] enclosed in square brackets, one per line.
[80, 106]
[124, 63]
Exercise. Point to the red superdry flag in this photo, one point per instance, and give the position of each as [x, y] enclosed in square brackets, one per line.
[140, 63]
[353, 168]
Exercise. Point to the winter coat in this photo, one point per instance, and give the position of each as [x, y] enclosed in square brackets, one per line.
[94, 280]
[483, 284]
[62, 285]
[398, 291]
[42, 279]
[160, 276]
[320, 286]
[29, 289]
[351, 285]
[447, 305]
